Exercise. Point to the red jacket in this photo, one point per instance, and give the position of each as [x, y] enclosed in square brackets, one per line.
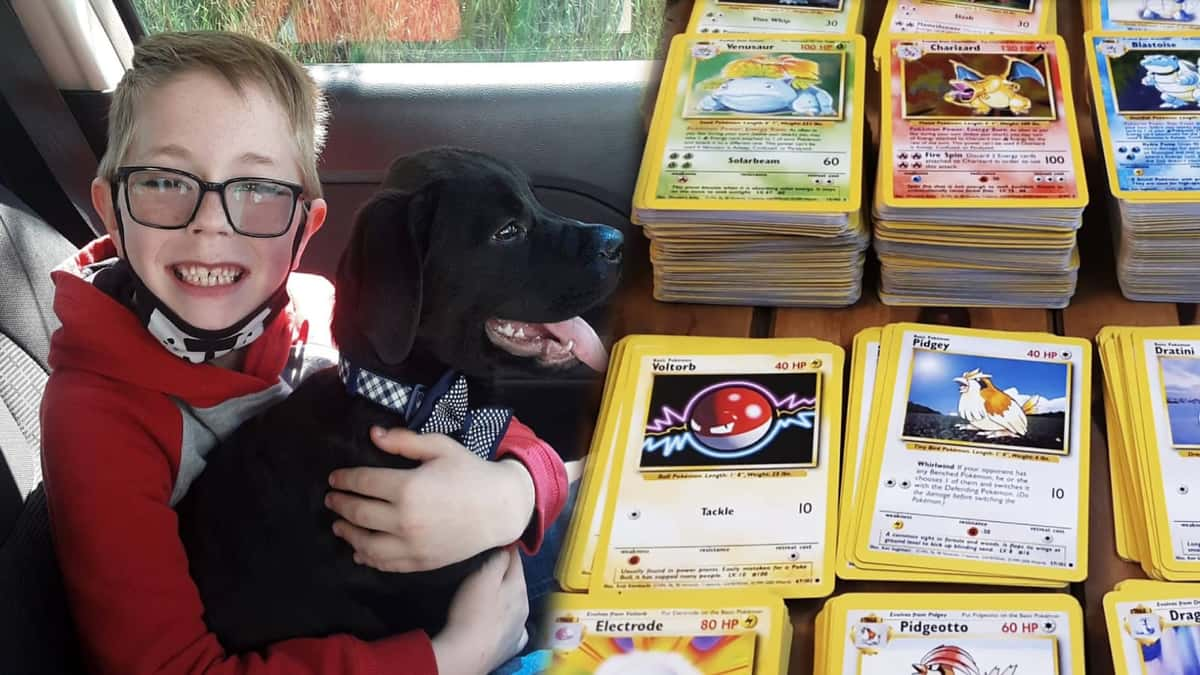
[113, 417]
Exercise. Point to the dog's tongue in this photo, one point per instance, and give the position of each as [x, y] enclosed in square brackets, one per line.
[588, 348]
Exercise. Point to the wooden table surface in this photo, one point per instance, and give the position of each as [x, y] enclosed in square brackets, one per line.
[1098, 302]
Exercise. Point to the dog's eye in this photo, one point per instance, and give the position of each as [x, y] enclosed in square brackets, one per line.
[510, 232]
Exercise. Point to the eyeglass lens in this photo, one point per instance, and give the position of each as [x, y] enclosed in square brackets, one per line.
[166, 199]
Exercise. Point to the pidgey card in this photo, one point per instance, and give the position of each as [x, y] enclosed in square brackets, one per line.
[978, 456]
[726, 475]
[983, 121]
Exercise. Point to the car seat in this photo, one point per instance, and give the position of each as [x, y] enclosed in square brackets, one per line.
[36, 632]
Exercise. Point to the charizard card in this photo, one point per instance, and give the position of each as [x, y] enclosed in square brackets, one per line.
[725, 475]
[978, 459]
[984, 122]
[1148, 89]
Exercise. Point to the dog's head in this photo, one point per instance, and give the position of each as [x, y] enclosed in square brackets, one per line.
[455, 258]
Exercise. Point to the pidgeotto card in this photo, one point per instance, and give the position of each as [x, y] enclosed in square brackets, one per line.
[725, 468]
[883, 634]
[974, 462]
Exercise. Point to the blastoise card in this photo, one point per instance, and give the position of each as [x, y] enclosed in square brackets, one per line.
[728, 477]
[988, 121]
[975, 459]
[1149, 86]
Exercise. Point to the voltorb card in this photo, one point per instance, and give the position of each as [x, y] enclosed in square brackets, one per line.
[979, 122]
[776, 16]
[726, 475]
[1009, 17]
[1148, 93]
[978, 458]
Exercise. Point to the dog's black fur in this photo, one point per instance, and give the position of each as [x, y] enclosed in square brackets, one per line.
[422, 273]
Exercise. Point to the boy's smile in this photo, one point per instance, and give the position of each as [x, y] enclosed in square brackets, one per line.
[210, 275]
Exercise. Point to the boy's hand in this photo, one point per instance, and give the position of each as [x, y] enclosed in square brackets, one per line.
[486, 623]
[449, 508]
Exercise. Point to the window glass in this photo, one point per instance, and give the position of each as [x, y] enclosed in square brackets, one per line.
[411, 31]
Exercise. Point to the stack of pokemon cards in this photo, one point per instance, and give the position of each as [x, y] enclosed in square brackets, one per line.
[1146, 92]
[1153, 628]
[981, 186]
[1141, 15]
[751, 184]
[1152, 414]
[776, 16]
[714, 465]
[1001, 17]
[890, 633]
[966, 457]
[709, 633]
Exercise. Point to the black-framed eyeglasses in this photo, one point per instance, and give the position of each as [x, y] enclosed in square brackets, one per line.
[168, 199]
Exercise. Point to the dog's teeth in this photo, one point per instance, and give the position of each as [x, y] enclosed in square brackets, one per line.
[520, 332]
[570, 346]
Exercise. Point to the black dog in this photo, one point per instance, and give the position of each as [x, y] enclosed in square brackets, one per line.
[453, 265]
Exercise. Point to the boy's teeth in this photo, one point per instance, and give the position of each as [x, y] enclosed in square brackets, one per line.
[199, 275]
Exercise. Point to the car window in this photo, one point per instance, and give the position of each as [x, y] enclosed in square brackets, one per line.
[423, 31]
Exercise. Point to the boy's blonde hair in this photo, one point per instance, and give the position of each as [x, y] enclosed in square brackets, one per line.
[237, 58]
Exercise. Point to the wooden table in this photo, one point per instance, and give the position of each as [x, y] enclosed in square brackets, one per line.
[1098, 302]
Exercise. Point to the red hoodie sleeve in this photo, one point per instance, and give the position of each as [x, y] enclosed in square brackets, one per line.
[549, 479]
[108, 480]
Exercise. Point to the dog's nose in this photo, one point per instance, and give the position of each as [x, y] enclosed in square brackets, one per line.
[612, 245]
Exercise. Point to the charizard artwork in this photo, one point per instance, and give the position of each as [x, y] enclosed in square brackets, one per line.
[985, 93]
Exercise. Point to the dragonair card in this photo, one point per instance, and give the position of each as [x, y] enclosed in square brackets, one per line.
[978, 458]
[726, 474]
[984, 122]
[1000, 635]
[1010, 17]
[1144, 15]
[776, 16]
[1154, 630]
[1149, 86]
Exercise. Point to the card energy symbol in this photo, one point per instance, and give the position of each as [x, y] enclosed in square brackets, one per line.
[985, 93]
[950, 660]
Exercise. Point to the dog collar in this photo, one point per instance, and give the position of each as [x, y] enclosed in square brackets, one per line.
[439, 409]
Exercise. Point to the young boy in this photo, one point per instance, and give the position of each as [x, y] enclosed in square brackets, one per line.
[178, 325]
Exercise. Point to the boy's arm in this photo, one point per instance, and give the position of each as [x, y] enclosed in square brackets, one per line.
[549, 476]
[108, 485]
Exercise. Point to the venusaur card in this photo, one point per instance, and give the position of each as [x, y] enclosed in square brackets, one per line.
[1148, 87]
[979, 122]
[978, 455]
[757, 123]
[726, 467]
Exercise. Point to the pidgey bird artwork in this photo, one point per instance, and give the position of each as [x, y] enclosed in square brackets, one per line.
[989, 401]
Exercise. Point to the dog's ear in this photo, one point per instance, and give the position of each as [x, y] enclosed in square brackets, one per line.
[379, 277]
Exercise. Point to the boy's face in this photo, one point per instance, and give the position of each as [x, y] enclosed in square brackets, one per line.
[206, 272]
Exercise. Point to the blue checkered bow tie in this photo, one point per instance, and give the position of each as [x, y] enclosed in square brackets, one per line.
[438, 409]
